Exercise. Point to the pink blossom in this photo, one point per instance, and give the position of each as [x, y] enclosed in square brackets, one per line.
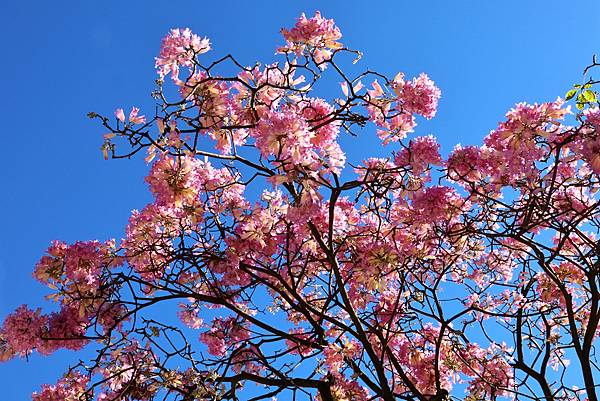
[178, 48]
[248, 360]
[23, 330]
[148, 240]
[592, 116]
[218, 107]
[316, 33]
[420, 96]
[491, 372]
[421, 152]
[511, 151]
[395, 124]
[134, 118]
[320, 116]
[66, 329]
[110, 315]
[334, 359]
[288, 136]
[189, 316]
[588, 146]
[223, 334]
[120, 115]
[50, 267]
[83, 262]
[129, 372]
[69, 388]
[303, 136]
[465, 164]
[437, 204]
[79, 264]
[334, 355]
[173, 180]
[349, 390]
[216, 344]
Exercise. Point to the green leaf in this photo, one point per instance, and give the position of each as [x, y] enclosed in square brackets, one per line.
[589, 95]
[570, 94]
[579, 106]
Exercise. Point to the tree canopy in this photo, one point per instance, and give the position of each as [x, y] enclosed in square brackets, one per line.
[270, 266]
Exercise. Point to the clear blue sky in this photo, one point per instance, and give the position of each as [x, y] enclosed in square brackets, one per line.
[62, 59]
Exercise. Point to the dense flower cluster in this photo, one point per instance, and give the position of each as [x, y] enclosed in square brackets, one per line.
[421, 153]
[223, 334]
[418, 96]
[394, 110]
[290, 137]
[72, 387]
[78, 266]
[318, 34]
[179, 48]
[26, 330]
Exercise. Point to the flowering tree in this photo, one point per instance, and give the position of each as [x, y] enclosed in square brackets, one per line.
[408, 277]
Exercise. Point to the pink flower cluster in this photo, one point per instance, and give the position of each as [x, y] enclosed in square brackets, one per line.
[224, 333]
[189, 316]
[71, 387]
[269, 82]
[437, 204]
[417, 96]
[173, 181]
[185, 189]
[349, 390]
[74, 272]
[178, 183]
[491, 372]
[487, 370]
[66, 329]
[318, 34]
[148, 240]
[128, 373]
[511, 151]
[592, 117]
[335, 355]
[179, 48]
[589, 148]
[422, 152]
[395, 114]
[134, 117]
[26, 329]
[84, 261]
[301, 137]
[465, 164]
[587, 144]
[22, 331]
[248, 360]
[220, 104]
[79, 264]
[298, 347]
[320, 116]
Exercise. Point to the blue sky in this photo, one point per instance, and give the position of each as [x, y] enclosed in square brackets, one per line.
[63, 59]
